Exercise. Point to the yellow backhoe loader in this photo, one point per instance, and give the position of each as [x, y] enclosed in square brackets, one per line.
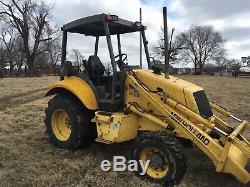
[160, 111]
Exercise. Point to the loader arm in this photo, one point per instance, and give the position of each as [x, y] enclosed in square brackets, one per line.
[232, 156]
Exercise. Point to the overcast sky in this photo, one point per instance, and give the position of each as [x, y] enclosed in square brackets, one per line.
[230, 17]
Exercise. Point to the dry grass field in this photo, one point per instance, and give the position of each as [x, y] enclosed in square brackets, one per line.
[27, 158]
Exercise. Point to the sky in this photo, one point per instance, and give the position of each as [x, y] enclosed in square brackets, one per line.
[230, 17]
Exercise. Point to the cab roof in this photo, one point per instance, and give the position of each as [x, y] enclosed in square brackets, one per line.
[94, 25]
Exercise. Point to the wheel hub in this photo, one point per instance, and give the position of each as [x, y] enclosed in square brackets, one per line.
[156, 161]
[158, 166]
[61, 125]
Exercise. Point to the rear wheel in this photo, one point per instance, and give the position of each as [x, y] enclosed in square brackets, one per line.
[61, 125]
[68, 123]
[167, 162]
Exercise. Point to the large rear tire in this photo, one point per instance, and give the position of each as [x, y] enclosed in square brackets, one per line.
[167, 164]
[68, 123]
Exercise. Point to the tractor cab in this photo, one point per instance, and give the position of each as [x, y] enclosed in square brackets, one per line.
[108, 87]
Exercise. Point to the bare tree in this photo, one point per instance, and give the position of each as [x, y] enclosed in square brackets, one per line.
[222, 63]
[53, 47]
[77, 57]
[234, 64]
[54, 50]
[200, 45]
[30, 19]
[12, 43]
[3, 59]
[174, 47]
[19, 55]
[8, 37]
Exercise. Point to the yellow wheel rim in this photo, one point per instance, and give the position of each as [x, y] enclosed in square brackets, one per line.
[61, 125]
[158, 166]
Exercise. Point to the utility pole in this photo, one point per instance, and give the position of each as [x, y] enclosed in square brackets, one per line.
[140, 42]
[165, 26]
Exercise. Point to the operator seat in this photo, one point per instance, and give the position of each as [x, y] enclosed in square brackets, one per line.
[95, 69]
[66, 70]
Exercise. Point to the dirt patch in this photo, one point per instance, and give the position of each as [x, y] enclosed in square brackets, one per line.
[24, 97]
[12, 86]
[16, 91]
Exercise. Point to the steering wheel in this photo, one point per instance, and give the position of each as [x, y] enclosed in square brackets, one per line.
[122, 59]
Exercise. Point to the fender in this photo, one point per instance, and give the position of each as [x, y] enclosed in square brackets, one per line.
[78, 87]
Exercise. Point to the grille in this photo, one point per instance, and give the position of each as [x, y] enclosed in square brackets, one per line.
[202, 104]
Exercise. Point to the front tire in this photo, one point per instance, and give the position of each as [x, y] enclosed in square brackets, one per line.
[167, 162]
[68, 123]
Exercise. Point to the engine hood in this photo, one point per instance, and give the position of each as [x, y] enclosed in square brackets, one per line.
[186, 93]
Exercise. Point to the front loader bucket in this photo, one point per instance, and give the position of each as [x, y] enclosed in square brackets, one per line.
[236, 154]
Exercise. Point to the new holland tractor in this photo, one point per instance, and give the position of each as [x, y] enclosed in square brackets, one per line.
[162, 113]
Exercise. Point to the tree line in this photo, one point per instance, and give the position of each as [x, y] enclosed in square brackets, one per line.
[28, 38]
[27, 35]
[201, 46]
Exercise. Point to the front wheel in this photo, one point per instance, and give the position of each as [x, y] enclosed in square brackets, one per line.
[167, 164]
[68, 124]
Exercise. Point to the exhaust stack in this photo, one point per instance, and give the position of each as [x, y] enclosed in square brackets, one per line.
[165, 26]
